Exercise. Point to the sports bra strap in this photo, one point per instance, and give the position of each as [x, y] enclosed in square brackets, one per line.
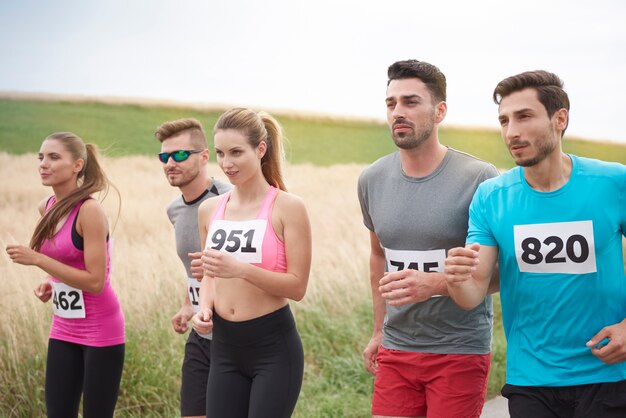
[268, 201]
[218, 213]
[264, 212]
[51, 200]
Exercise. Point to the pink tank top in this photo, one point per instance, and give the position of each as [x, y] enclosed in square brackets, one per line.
[79, 316]
[252, 241]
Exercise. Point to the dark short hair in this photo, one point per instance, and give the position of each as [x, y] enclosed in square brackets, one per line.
[430, 75]
[549, 89]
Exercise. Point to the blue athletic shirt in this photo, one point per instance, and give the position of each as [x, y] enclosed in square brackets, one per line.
[561, 269]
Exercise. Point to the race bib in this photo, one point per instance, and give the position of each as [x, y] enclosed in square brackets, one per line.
[193, 290]
[426, 261]
[67, 302]
[242, 239]
[562, 247]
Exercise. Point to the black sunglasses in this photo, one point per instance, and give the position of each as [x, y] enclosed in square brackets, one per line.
[178, 156]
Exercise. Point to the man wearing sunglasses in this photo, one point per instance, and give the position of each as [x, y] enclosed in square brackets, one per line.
[185, 158]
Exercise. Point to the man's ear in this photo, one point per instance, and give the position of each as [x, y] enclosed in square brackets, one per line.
[205, 154]
[561, 119]
[441, 111]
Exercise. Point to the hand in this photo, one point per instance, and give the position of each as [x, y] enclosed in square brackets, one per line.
[460, 264]
[202, 321]
[219, 264]
[615, 350]
[409, 286]
[370, 352]
[182, 317]
[44, 291]
[23, 255]
[197, 272]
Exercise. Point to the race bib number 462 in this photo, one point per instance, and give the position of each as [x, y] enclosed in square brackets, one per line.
[67, 302]
[563, 247]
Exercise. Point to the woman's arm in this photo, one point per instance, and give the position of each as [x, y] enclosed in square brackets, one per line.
[205, 211]
[93, 224]
[202, 321]
[41, 207]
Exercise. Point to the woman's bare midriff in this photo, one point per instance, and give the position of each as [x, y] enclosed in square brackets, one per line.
[237, 300]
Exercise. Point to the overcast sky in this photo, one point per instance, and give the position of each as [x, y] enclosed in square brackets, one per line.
[327, 56]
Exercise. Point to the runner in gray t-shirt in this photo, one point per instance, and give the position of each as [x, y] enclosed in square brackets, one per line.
[185, 155]
[428, 355]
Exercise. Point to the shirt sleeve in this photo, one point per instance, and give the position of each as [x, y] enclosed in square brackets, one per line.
[479, 228]
[490, 172]
[362, 193]
[623, 202]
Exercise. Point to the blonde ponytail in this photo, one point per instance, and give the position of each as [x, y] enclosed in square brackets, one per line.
[271, 163]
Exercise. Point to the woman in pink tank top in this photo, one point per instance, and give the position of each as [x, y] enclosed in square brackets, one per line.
[257, 257]
[70, 243]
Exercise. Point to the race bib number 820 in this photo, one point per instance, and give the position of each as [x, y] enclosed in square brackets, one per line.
[563, 247]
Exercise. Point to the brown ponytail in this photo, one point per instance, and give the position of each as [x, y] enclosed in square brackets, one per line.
[259, 127]
[91, 179]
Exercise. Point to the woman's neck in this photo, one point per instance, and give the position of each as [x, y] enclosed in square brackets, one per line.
[251, 191]
[61, 191]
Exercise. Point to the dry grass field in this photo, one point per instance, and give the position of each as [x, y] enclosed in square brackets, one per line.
[146, 272]
[334, 319]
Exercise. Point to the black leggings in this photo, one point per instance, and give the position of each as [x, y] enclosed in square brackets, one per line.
[75, 369]
[256, 367]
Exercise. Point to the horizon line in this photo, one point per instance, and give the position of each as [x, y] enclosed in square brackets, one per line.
[220, 107]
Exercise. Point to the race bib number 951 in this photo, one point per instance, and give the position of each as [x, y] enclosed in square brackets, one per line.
[563, 247]
[67, 302]
[242, 239]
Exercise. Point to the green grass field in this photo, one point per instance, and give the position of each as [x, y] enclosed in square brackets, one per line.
[128, 129]
[336, 383]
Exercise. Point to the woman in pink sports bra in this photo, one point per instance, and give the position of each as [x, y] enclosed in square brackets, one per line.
[257, 257]
[70, 243]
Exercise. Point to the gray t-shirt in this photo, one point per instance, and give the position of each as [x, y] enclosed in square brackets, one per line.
[184, 216]
[417, 220]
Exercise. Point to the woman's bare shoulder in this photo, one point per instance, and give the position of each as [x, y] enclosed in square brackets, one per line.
[289, 202]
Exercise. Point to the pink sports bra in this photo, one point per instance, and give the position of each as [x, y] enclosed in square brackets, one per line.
[253, 241]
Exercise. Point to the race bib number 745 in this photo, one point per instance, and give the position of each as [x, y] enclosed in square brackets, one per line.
[562, 247]
[425, 261]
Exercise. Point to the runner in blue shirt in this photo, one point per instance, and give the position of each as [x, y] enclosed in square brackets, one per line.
[554, 225]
